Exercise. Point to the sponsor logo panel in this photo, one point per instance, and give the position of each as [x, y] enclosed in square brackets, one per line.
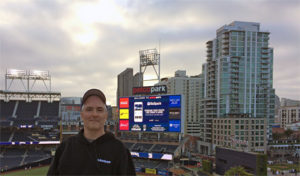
[124, 125]
[124, 103]
[124, 113]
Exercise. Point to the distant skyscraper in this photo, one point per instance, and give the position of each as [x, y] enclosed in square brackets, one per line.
[125, 83]
[189, 88]
[138, 80]
[238, 77]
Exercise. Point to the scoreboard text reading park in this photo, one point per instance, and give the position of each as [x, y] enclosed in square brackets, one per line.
[150, 113]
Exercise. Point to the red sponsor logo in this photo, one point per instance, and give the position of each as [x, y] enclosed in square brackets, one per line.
[141, 90]
[124, 103]
[124, 125]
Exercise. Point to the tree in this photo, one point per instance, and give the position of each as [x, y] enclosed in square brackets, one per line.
[261, 164]
[277, 136]
[288, 133]
[237, 171]
[207, 166]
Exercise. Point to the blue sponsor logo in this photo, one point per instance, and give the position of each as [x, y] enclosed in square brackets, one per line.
[174, 101]
[174, 125]
[162, 172]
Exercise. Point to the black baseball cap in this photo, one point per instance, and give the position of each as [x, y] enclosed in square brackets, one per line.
[93, 92]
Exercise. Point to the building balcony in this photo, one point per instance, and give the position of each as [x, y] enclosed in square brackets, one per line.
[264, 51]
[225, 36]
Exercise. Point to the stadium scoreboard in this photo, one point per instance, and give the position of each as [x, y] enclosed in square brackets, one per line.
[150, 113]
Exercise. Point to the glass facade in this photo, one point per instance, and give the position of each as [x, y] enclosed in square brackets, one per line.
[239, 74]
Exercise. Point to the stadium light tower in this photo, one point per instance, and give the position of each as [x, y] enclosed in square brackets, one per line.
[150, 57]
[14, 74]
[28, 80]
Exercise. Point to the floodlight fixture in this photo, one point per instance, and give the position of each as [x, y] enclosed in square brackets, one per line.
[39, 74]
[15, 73]
[150, 57]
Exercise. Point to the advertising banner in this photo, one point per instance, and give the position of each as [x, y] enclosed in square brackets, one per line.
[150, 113]
[150, 171]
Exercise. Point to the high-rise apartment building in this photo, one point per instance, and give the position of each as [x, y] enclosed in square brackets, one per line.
[238, 78]
[189, 88]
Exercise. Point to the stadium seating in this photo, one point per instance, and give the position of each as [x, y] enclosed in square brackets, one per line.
[171, 148]
[162, 165]
[7, 108]
[154, 164]
[53, 123]
[26, 110]
[14, 157]
[4, 136]
[5, 123]
[140, 147]
[30, 159]
[14, 152]
[18, 122]
[21, 136]
[35, 155]
[10, 162]
[49, 109]
[158, 148]
[128, 145]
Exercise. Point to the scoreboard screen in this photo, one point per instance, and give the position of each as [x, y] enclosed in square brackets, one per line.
[150, 113]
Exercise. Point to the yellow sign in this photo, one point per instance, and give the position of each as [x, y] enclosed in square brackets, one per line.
[150, 171]
[124, 113]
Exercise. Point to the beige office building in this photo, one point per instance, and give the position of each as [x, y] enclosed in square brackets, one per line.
[248, 134]
[288, 115]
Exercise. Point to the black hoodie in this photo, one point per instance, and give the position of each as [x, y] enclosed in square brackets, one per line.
[104, 156]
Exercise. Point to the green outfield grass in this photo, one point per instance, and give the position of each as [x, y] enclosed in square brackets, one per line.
[34, 171]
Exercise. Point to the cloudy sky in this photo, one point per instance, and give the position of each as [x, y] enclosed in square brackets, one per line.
[87, 43]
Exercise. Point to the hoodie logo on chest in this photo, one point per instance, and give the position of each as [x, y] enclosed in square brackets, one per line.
[103, 161]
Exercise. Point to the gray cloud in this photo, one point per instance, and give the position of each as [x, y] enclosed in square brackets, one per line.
[40, 35]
